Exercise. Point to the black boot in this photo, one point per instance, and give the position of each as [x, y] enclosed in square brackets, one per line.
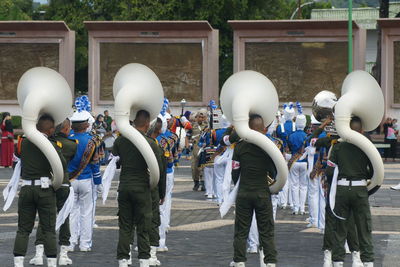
[196, 186]
[202, 187]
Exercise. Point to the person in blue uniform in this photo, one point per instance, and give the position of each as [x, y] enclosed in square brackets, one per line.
[298, 167]
[84, 169]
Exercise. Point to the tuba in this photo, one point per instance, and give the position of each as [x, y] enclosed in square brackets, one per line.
[44, 91]
[250, 92]
[136, 87]
[361, 97]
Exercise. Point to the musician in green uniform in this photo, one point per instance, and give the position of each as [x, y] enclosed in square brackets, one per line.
[354, 168]
[328, 143]
[253, 166]
[197, 129]
[134, 195]
[68, 150]
[37, 195]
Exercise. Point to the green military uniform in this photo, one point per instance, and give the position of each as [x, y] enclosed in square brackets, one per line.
[254, 166]
[156, 194]
[328, 142]
[134, 197]
[68, 150]
[197, 130]
[33, 198]
[353, 165]
[108, 120]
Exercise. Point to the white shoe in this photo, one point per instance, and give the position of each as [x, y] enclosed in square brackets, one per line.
[239, 264]
[311, 225]
[144, 262]
[38, 259]
[123, 263]
[209, 196]
[85, 249]
[338, 264]
[252, 250]
[327, 258]
[153, 257]
[396, 187]
[19, 261]
[368, 264]
[51, 262]
[63, 259]
[162, 249]
[356, 259]
[271, 265]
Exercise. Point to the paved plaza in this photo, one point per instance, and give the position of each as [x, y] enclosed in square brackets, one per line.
[199, 237]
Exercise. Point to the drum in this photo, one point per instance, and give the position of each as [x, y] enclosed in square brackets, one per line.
[109, 142]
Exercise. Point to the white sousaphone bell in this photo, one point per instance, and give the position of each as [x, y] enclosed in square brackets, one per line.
[44, 91]
[250, 92]
[136, 87]
[361, 97]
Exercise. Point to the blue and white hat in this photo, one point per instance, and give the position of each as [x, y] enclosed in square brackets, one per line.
[83, 108]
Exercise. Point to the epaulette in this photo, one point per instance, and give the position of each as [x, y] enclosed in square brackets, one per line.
[59, 144]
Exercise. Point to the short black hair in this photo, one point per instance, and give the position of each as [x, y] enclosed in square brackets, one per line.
[256, 122]
[142, 117]
[45, 123]
[356, 124]
[62, 125]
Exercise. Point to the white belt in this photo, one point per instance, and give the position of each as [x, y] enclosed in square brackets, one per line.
[66, 185]
[32, 182]
[346, 182]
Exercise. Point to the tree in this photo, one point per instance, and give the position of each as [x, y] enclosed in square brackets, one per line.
[15, 9]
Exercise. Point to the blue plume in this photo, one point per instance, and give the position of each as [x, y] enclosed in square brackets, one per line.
[82, 103]
[164, 107]
[291, 105]
[299, 108]
[284, 106]
[212, 104]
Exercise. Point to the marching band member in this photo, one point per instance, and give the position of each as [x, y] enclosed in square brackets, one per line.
[297, 166]
[68, 150]
[134, 198]
[84, 170]
[37, 196]
[283, 132]
[252, 165]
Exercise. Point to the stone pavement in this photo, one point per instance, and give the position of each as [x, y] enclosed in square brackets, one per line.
[199, 237]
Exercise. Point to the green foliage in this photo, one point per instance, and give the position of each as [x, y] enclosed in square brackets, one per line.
[16, 122]
[15, 9]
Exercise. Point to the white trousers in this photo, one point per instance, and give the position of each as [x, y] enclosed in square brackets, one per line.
[81, 218]
[298, 181]
[274, 200]
[94, 192]
[284, 194]
[252, 240]
[219, 171]
[313, 200]
[165, 210]
[321, 205]
[209, 180]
